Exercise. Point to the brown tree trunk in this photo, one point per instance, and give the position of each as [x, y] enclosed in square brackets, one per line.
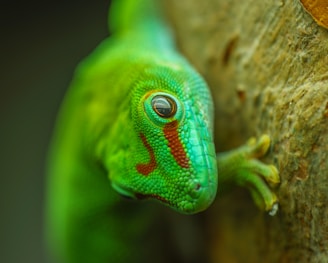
[266, 62]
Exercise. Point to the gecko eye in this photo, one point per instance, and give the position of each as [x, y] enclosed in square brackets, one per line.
[161, 108]
[164, 106]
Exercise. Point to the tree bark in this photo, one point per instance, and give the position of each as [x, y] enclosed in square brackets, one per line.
[266, 63]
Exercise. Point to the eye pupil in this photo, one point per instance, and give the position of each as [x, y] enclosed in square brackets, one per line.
[164, 106]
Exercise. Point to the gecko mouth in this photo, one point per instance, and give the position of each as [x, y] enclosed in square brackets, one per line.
[140, 196]
[129, 195]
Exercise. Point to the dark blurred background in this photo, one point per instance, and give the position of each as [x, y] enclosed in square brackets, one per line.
[41, 44]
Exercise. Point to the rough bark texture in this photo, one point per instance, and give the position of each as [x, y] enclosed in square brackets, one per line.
[266, 62]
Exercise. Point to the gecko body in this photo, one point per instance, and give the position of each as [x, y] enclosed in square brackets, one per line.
[137, 121]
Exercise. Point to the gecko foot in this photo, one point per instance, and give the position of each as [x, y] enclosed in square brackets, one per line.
[242, 167]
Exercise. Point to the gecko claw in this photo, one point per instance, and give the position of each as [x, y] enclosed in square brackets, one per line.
[274, 209]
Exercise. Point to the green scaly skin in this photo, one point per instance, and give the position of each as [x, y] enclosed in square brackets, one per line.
[139, 117]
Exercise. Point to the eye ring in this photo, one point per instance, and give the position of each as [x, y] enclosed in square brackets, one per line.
[164, 106]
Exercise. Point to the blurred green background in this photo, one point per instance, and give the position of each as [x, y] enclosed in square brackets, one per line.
[41, 44]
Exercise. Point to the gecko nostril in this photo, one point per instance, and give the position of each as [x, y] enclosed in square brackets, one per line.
[197, 186]
[195, 189]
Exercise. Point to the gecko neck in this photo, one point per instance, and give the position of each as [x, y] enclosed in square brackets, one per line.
[142, 23]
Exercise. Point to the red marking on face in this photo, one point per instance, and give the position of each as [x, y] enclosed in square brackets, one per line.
[147, 168]
[177, 150]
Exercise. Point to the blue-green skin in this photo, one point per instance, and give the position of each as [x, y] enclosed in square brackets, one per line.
[97, 142]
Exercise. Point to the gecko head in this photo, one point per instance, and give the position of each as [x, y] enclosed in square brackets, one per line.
[171, 156]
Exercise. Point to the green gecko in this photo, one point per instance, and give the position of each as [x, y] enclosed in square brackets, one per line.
[137, 121]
